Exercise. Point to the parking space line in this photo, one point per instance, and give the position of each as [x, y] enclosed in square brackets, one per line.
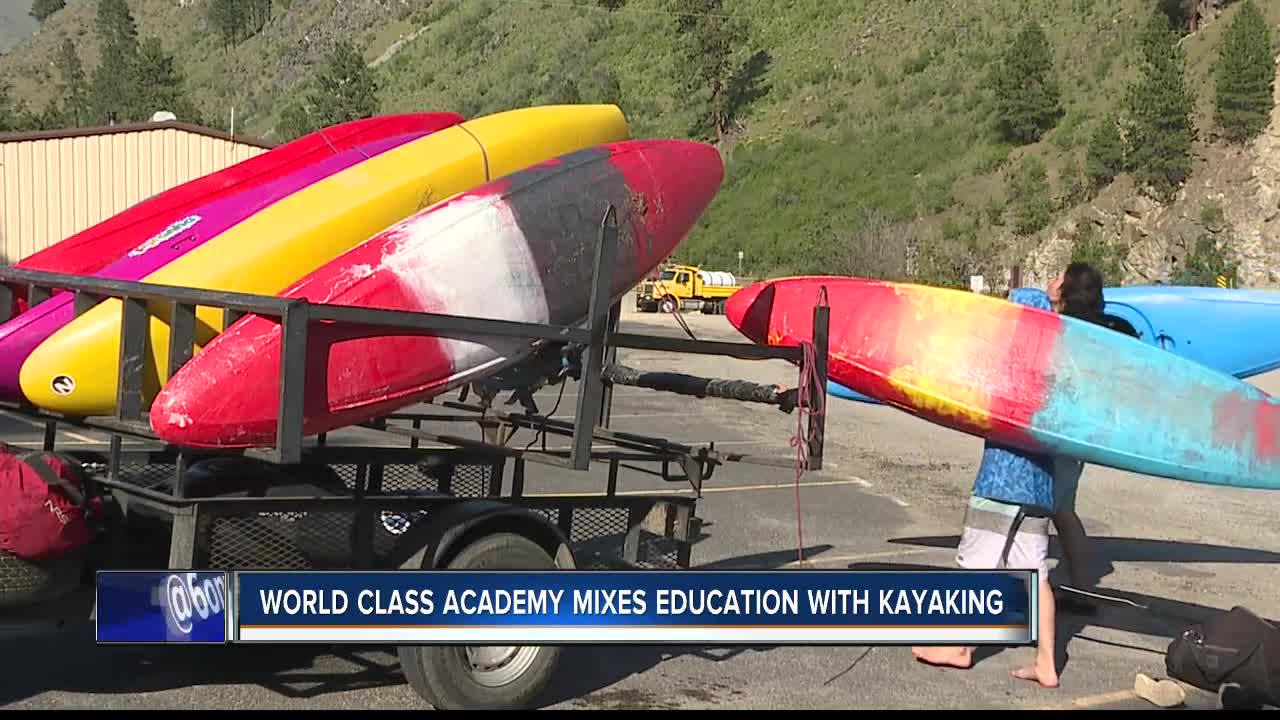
[36, 423]
[859, 557]
[71, 443]
[707, 490]
[691, 443]
[631, 416]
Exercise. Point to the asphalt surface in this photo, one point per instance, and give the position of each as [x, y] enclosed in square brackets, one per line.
[890, 495]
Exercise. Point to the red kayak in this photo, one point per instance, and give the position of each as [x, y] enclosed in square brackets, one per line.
[521, 249]
[93, 248]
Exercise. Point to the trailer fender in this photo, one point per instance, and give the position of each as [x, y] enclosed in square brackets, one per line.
[452, 528]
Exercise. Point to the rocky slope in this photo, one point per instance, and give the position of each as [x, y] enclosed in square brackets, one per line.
[1233, 196]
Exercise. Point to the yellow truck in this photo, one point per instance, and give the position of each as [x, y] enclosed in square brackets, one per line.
[686, 287]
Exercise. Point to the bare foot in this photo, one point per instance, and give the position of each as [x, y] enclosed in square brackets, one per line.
[960, 657]
[1047, 676]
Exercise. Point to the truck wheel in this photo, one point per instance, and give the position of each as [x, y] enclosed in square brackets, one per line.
[480, 677]
[668, 305]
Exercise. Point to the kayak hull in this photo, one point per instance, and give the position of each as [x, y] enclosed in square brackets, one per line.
[75, 371]
[1231, 331]
[1028, 378]
[95, 247]
[22, 334]
[520, 249]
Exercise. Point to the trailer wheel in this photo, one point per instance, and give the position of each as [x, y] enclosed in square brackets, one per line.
[459, 677]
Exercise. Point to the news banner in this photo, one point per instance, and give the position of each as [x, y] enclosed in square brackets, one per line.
[557, 607]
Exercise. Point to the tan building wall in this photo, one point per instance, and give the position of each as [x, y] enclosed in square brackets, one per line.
[55, 184]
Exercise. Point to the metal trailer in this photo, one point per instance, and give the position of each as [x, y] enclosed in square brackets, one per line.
[397, 504]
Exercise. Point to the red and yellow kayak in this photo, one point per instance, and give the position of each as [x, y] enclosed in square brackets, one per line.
[1028, 378]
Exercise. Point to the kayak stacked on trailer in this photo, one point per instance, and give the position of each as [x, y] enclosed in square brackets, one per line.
[295, 498]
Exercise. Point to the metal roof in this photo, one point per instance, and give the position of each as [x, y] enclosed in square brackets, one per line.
[134, 127]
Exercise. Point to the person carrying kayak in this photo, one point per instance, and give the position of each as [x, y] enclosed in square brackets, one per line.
[1077, 292]
[1006, 525]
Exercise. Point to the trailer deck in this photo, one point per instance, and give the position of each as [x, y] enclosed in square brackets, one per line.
[306, 503]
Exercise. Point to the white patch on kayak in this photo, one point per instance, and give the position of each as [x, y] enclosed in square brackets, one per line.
[359, 272]
[471, 256]
[165, 234]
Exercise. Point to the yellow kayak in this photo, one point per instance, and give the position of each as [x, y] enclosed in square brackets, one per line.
[271, 250]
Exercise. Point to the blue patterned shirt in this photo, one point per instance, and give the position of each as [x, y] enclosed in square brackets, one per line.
[1011, 475]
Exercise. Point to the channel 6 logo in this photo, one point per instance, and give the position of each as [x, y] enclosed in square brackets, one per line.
[193, 605]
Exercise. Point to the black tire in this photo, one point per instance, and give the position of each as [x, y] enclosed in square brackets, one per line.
[445, 676]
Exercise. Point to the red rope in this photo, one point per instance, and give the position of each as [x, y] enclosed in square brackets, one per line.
[805, 407]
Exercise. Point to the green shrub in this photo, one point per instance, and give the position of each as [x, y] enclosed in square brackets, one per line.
[1087, 245]
[917, 63]
[879, 77]
[1104, 158]
[1209, 258]
[1029, 196]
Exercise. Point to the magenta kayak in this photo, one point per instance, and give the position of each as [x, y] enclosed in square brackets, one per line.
[22, 334]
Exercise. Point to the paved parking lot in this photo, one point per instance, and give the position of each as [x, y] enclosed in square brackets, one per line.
[891, 495]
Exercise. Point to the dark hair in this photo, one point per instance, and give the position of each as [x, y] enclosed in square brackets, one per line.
[1082, 292]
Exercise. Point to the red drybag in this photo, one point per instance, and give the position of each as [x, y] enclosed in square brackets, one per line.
[45, 511]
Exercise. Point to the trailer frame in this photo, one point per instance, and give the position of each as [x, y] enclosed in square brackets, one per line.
[363, 506]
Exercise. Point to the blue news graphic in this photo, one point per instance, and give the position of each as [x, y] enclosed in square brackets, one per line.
[790, 606]
[162, 606]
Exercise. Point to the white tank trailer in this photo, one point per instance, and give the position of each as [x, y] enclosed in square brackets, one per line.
[719, 279]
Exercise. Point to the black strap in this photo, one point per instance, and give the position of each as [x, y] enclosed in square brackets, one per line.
[38, 461]
[1008, 541]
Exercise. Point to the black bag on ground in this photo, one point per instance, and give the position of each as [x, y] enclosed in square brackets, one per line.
[1234, 648]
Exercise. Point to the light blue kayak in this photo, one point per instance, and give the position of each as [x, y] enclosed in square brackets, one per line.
[1236, 332]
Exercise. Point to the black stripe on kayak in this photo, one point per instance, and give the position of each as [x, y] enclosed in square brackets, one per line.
[558, 208]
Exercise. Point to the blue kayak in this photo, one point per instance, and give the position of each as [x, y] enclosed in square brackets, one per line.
[1231, 331]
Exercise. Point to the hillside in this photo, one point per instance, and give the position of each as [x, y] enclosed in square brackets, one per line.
[16, 24]
[864, 141]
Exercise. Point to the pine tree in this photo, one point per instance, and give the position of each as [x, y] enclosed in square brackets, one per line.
[1028, 99]
[160, 83]
[1245, 76]
[42, 9]
[257, 14]
[345, 89]
[9, 111]
[75, 99]
[225, 16]
[1104, 158]
[720, 71]
[115, 24]
[114, 86]
[1160, 109]
[115, 96]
